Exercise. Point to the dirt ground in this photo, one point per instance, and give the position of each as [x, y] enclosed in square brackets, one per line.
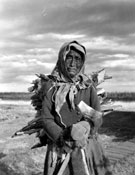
[118, 126]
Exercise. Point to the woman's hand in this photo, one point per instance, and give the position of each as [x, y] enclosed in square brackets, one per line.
[80, 133]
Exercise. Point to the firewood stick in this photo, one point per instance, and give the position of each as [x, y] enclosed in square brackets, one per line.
[84, 161]
[64, 164]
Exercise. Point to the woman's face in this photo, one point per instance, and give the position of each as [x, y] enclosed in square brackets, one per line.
[73, 63]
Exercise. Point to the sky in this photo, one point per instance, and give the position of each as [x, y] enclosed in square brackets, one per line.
[32, 32]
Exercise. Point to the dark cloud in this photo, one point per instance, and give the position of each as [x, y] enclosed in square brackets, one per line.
[93, 18]
[108, 19]
[101, 18]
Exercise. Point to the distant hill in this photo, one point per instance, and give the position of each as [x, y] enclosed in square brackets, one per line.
[15, 95]
[121, 96]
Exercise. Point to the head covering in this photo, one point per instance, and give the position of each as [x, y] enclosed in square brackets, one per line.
[60, 68]
[64, 84]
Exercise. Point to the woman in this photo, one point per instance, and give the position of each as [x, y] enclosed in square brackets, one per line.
[68, 130]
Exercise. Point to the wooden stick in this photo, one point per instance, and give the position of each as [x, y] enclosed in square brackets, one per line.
[84, 161]
[64, 164]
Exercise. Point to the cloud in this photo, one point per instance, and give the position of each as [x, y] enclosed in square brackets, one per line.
[33, 31]
[87, 19]
[125, 63]
[120, 55]
[103, 18]
[13, 70]
[99, 43]
[67, 36]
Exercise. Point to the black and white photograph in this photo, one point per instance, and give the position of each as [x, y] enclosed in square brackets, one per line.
[67, 87]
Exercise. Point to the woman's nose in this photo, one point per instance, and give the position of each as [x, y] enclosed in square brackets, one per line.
[73, 62]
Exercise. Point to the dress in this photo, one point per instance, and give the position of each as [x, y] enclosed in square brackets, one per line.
[60, 111]
[97, 162]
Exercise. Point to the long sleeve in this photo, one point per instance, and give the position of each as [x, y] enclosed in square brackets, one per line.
[52, 129]
[95, 104]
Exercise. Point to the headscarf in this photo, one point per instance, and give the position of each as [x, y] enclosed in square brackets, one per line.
[64, 84]
[60, 68]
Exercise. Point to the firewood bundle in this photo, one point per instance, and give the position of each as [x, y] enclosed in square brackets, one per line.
[35, 125]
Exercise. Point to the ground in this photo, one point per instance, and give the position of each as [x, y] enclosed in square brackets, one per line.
[117, 136]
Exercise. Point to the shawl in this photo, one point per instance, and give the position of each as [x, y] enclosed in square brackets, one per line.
[63, 83]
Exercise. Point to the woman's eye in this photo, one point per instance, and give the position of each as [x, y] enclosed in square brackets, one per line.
[78, 58]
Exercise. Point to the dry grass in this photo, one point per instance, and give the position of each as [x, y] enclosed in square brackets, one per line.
[11, 112]
[117, 127]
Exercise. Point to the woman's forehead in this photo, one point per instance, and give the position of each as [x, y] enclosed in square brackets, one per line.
[74, 52]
